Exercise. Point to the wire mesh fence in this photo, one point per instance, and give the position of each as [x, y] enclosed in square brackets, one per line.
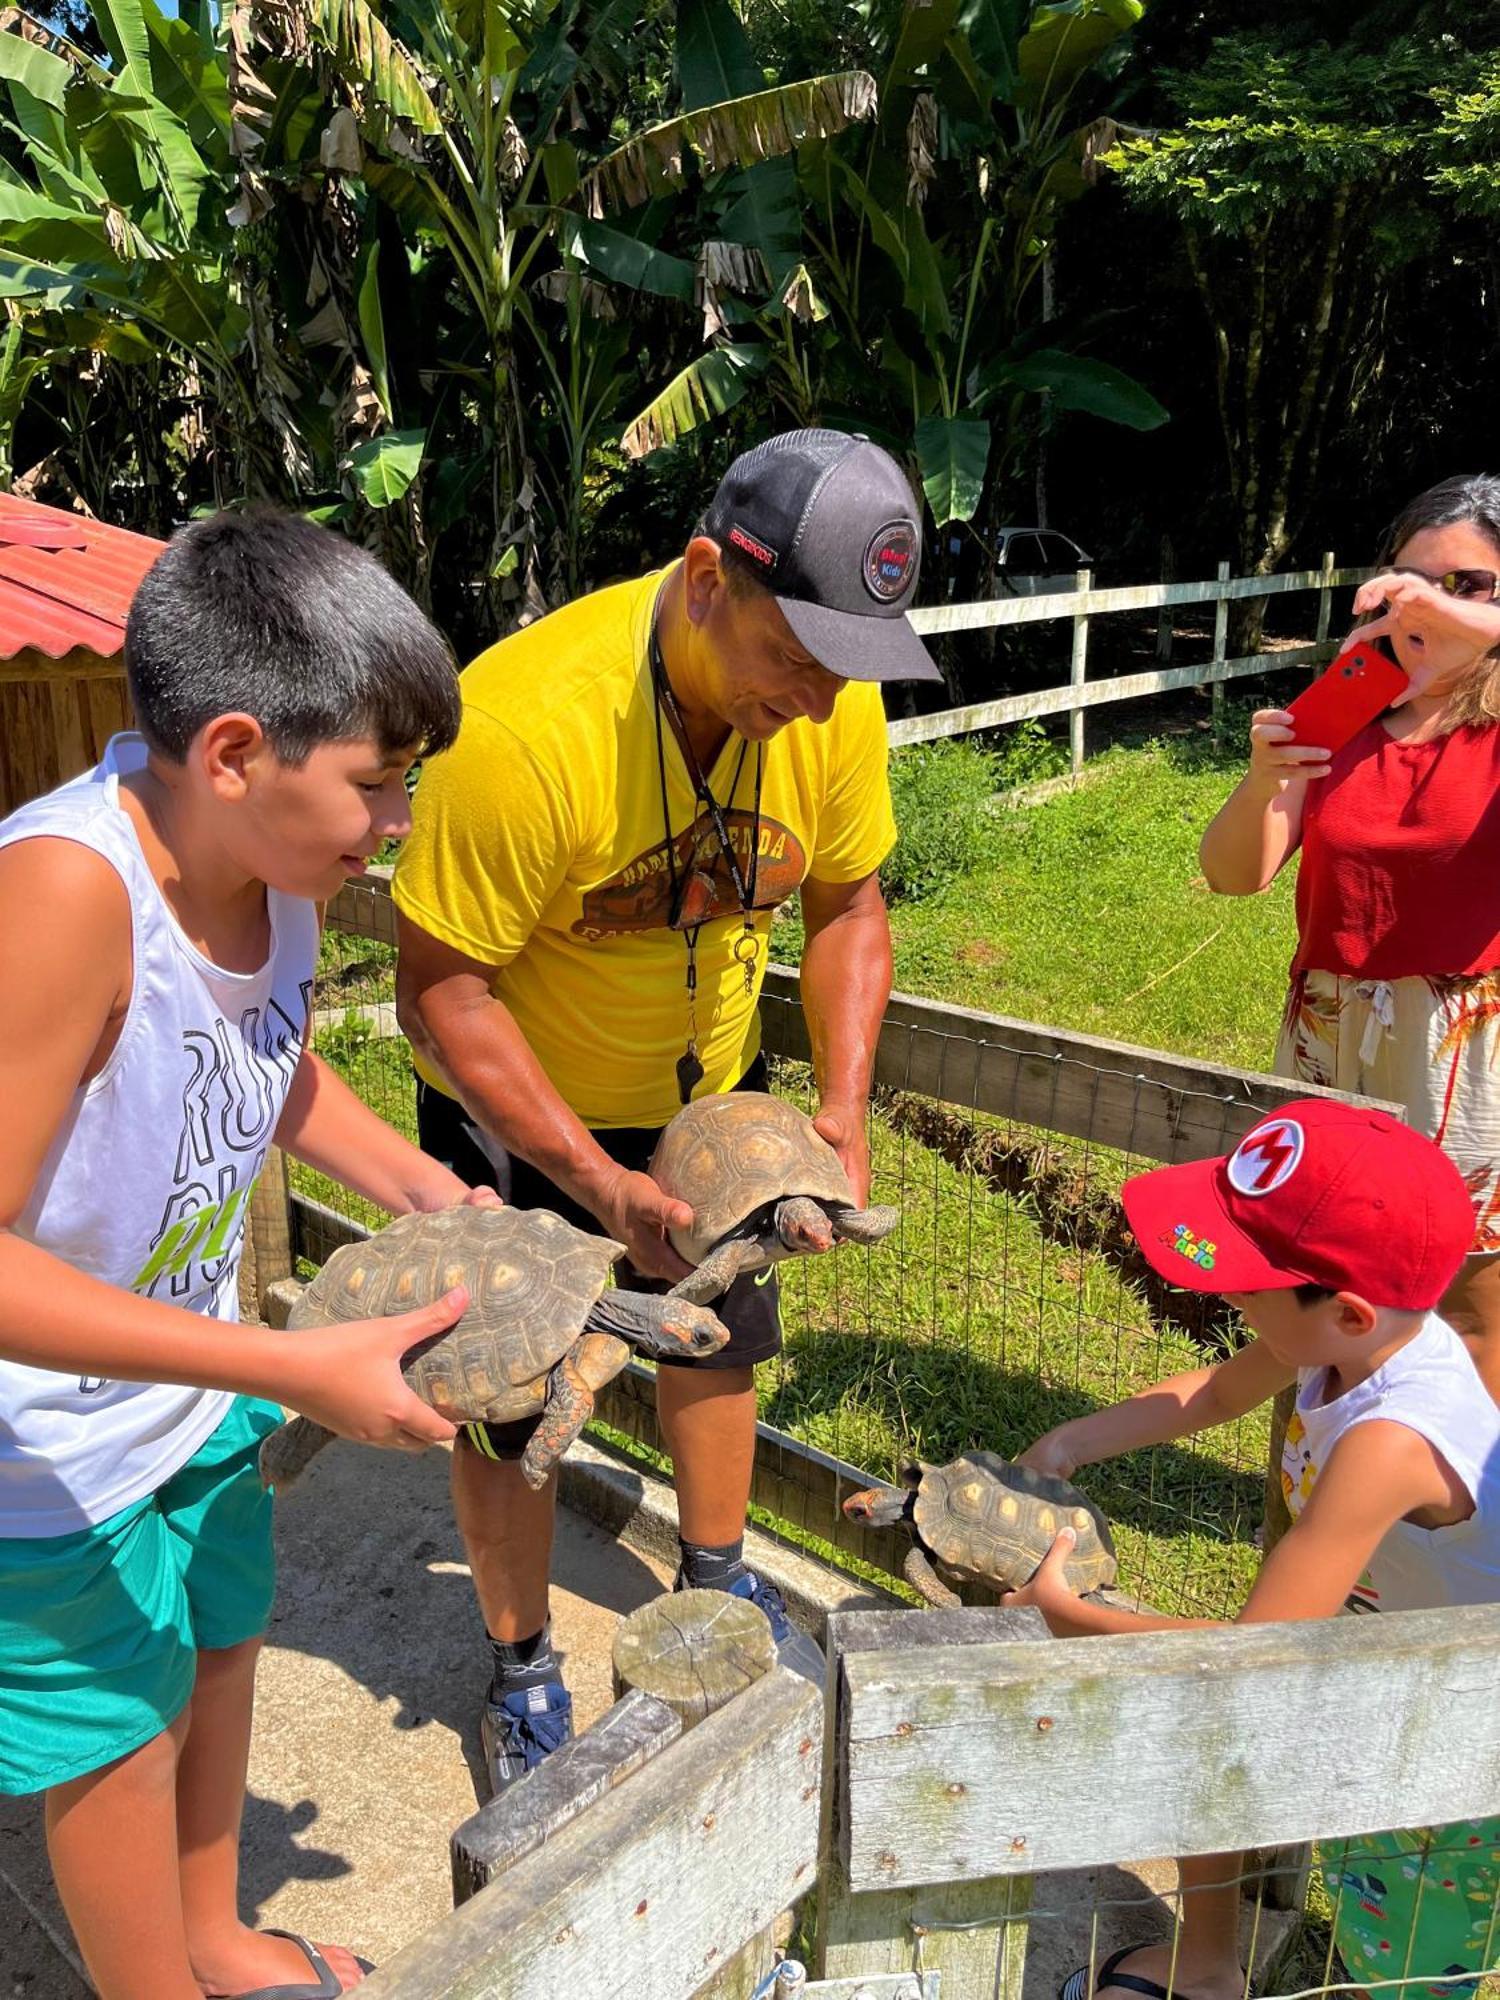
[1411, 1913]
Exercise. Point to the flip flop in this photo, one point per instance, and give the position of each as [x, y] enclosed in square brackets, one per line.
[1076, 1986]
[328, 1987]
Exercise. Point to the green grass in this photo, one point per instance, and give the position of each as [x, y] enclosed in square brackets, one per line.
[1091, 914]
[975, 1327]
[1094, 916]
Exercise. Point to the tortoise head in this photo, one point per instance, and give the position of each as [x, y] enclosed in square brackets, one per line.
[880, 1506]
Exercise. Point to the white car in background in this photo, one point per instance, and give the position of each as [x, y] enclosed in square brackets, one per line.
[1036, 562]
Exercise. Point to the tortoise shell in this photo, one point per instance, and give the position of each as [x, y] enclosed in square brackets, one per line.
[989, 1520]
[730, 1155]
[531, 1279]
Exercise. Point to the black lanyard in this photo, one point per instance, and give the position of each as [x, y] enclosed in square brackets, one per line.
[747, 945]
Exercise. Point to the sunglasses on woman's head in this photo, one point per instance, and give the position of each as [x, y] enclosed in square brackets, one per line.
[1476, 583]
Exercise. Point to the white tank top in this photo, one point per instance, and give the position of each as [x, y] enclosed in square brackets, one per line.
[1432, 1387]
[145, 1185]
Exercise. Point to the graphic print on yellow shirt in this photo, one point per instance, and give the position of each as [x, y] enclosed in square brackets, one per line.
[538, 849]
[639, 896]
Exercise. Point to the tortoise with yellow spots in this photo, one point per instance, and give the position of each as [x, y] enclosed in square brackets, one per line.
[762, 1183]
[542, 1331]
[985, 1519]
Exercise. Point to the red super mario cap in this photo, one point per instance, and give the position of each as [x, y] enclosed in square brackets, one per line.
[1320, 1193]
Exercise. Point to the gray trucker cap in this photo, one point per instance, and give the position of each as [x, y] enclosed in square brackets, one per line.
[830, 524]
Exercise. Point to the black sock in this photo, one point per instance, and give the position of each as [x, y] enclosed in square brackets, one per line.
[523, 1663]
[711, 1569]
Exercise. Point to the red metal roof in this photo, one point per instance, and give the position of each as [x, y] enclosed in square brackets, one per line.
[65, 581]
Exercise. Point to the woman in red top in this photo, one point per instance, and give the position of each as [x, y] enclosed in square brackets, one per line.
[1395, 987]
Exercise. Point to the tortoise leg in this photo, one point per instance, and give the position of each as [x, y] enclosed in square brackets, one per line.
[862, 1225]
[805, 1226]
[286, 1453]
[923, 1578]
[592, 1360]
[723, 1264]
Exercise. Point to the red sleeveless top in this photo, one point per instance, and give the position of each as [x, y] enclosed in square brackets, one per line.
[1400, 867]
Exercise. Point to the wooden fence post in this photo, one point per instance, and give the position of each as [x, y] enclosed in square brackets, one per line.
[1164, 616]
[973, 1932]
[267, 1256]
[693, 1651]
[516, 1823]
[661, 1878]
[1084, 578]
[1221, 651]
[1325, 597]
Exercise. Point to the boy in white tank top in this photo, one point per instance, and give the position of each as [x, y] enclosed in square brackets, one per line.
[158, 932]
[1391, 1472]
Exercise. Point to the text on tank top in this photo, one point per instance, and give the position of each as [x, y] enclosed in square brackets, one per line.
[146, 1184]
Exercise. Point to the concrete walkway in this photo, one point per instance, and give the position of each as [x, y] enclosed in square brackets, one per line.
[366, 1748]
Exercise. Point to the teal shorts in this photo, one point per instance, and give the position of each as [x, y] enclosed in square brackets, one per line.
[100, 1630]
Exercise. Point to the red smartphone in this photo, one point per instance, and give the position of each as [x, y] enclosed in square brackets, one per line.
[1360, 684]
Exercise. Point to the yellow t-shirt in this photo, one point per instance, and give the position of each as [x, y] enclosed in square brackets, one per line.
[539, 848]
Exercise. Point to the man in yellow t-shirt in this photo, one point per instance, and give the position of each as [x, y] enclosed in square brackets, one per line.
[585, 900]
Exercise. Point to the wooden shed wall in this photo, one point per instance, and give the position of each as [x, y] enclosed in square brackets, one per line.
[55, 718]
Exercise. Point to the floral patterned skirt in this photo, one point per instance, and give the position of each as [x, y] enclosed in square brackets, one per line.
[1430, 1044]
[1418, 1907]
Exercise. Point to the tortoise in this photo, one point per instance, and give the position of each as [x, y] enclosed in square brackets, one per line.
[762, 1185]
[986, 1519]
[540, 1333]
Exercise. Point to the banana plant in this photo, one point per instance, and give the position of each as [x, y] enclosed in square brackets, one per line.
[471, 124]
[923, 238]
[110, 213]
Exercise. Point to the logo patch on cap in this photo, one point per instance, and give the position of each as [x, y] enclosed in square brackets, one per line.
[1199, 1250]
[748, 545]
[1266, 1158]
[889, 559]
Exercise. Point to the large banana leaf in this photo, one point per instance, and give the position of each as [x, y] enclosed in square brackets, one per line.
[737, 133]
[715, 63]
[368, 54]
[1075, 382]
[994, 31]
[36, 69]
[706, 388]
[178, 166]
[625, 260]
[1065, 38]
[953, 454]
[32, 227]
[384, 467]
[191, 78]
[714, 60]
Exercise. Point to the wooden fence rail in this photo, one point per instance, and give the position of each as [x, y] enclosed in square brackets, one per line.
[1084, 604]
[963, 1767]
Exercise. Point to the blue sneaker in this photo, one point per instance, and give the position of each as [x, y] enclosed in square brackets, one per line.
[522, 1728]
[794, 1648]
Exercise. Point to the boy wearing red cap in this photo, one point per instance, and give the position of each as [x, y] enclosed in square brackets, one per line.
[1334, 1232]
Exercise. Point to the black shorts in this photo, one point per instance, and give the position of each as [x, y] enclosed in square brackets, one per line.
[751, 1308]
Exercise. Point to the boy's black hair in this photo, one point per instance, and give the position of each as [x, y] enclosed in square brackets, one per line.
[266, 613]
[1312, 1295]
